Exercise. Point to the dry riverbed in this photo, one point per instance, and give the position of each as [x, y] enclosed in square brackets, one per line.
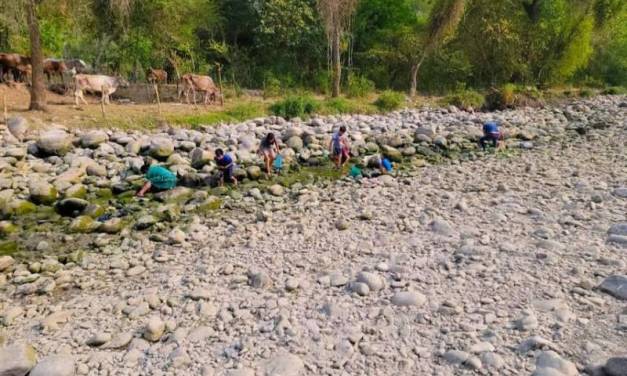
[501, 264]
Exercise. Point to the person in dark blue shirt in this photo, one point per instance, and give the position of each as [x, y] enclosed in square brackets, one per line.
[491, 132]
[226, 167]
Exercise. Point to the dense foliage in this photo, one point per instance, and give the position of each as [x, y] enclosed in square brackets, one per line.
[280, 45]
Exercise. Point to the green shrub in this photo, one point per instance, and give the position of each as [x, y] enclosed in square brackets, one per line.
[465, 99]
[322, 82]
[246, 111]
[271, 87]
[614, 90]
[358, 86]
[586, 93]
[338, 106]
[389, 100]
[500, 99]
[295, 106]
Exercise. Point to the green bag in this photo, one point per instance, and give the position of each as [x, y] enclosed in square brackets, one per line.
[355, 172]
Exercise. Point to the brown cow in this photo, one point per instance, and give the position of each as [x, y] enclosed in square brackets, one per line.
[193, 83]
[157, 76]
[17, 65]
[54, 67]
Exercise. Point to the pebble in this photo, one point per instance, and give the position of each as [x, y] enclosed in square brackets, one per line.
[408, 298]
[154, 329]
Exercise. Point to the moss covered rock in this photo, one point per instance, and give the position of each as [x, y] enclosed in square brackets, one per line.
[76, 191]
[83, 224]
[42, 192]
[392, 153]
[254, 172]
[7, 228]
[54, 142]
[19, 207]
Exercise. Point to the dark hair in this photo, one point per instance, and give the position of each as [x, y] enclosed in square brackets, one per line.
[343, 129]
[219, 152]
[147, 163]
[270, 137]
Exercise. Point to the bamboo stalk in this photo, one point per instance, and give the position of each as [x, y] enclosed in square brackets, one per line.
[220, 83]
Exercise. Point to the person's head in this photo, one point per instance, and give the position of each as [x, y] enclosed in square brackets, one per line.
[270, 137]
[219, 153]
[342, 129]
[147, 163]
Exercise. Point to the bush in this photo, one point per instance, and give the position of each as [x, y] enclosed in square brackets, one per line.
[500, 99]
[389, 100]
[322, 82]
[295, 106]
[586, 93]
[358, 86]
[271, 87]
[465, 99]
[338, 106]
[614, 90]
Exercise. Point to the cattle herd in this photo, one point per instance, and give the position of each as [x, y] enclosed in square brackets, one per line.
[17, 68]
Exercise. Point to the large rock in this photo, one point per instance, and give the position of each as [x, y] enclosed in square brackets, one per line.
[295, 143]
[17, 359]
[93, 139]
[42, 192]
[616, 367]
[54, 365]
[391, 153]
[6, 262]
[615, 285]
[254, 172]
[200, 157]
[283, 365]
[71, 207]
[161, 147]
[154, 329]
[549, 363]
[54, 142]
[83, 224]
[408, 298]
[18, 126]
[175, 195]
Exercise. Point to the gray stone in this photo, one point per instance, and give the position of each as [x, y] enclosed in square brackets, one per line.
[161, 147]
[54, 142]
[18, 126]
[374, 281]
[283, 365]
[120, 341]
[360, 288]
[6, 262]
[440, 226]
[254, 172]
[93, 139]
[276, 190]
[295, 143]
[620, 192]
[615, 285]
[618, 229]
[200, 158]
[259, 280]
[71, 207]
[492, 360]
[549, 363]
[392, 153]
[96, 170]
[17, 359]
[42, 192]
[154, 329]
[456, 357]
[54, 365]
[408, 298]
[616, 366]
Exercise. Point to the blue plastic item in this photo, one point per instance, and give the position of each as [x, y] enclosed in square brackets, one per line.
[278, 162]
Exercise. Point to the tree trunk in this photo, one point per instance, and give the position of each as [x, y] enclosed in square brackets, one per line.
[415, 67]
[414, 80]
[336, 63]
[37, 88]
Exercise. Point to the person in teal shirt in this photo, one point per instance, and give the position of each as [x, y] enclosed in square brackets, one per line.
[158, 178]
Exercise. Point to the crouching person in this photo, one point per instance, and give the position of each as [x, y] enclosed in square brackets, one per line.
[491, 133]
[226, 167]
[158, 178]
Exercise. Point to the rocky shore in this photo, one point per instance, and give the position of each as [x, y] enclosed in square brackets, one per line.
[505, 264]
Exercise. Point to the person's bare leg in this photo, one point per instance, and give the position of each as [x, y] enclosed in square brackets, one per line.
[234, 180]
[144, 189]
[267, 160]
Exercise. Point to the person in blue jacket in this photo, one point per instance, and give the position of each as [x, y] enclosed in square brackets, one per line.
[226, 166]
[492, 133]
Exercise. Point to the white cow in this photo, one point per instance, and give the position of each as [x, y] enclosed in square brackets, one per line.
[106, 85]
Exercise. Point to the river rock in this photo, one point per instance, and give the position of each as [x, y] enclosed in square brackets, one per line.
[616, 366]
[154, 329]
[6, 262]
[549, 363]
[615, 285]
[254, 172]
[71, 207]
[18, 126]
[93, 139]
[374, 282]
[161, 147]
[54, 142]
[54, 365]
[17, 359]
[392, 153]
[283, 365]
[408, 298]
[42, 192]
